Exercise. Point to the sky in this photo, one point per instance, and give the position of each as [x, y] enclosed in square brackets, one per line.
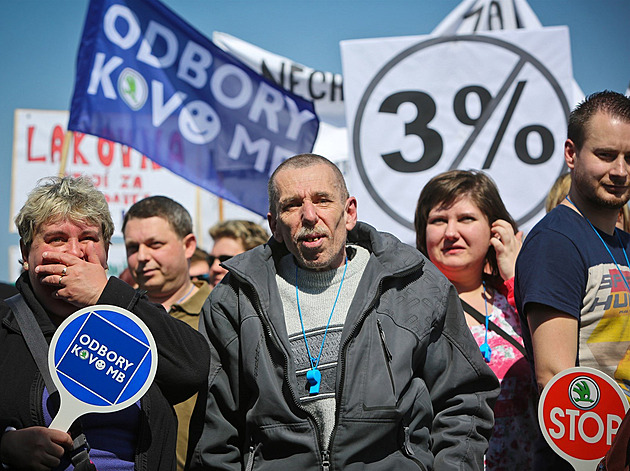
[40, 40]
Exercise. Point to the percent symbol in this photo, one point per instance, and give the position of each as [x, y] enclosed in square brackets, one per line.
[433, 143]
[429, 107]
[520, 141]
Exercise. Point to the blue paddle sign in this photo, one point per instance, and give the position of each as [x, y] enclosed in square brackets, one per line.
[102, 359]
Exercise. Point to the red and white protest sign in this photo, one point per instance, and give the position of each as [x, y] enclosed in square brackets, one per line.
[123, 174]
[579, 413]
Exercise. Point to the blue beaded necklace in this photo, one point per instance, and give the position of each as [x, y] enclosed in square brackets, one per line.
[314, 376]
[606, 245]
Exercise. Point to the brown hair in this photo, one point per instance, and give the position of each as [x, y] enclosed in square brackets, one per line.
[609, 102]
[559, 190]
[446, 188]
[248, 233]
[163, 207]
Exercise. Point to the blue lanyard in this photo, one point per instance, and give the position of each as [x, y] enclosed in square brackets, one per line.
[485, 348]
[606, 245]
[315, 361]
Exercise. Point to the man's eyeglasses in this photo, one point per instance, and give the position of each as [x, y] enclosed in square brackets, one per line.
[202, 277]
[221, 258]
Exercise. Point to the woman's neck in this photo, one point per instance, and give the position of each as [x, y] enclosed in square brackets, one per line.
[467, 284]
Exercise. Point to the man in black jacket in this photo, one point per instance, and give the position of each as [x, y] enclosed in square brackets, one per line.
[336, 346]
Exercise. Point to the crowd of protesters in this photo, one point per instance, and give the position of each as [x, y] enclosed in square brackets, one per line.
[324, 343]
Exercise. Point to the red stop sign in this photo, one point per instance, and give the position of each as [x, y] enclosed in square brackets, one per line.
[580, 412]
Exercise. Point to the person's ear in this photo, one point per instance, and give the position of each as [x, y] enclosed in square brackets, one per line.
[273, 226]
[190, 244]
[351, 213]
[570, 152]
[24, 252]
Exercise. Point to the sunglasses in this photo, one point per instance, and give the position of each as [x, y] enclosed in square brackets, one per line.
[221, 258]
[203, 277]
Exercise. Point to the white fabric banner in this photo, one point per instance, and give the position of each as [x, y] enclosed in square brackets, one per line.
[473, 16]
[418, 106]
[323, 88]
[120, 172]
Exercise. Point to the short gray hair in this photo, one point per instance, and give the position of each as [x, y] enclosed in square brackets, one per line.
[64, 198]
[304, 161]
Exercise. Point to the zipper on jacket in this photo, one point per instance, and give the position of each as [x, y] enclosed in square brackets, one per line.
[325, 460]
[342, 363]
[388, 355]
[252, 452]
[407, 439]
[314, 422]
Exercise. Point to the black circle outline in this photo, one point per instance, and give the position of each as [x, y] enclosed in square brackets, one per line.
[412, 50]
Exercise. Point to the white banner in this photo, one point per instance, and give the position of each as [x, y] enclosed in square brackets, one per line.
[120, 172]
[419, 106]
[323, 88]
[474, 16]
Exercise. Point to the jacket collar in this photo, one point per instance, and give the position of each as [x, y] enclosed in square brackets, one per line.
[392, 257]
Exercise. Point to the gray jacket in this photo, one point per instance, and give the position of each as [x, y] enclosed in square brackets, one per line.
[412, 391]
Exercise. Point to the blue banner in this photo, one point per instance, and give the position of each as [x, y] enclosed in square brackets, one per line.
[147, 79]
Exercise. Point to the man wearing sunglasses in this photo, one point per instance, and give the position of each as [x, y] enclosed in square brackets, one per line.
[160, 242]
[231, 238]
[199, 265]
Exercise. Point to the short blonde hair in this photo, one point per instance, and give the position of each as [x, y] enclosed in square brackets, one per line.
[559, 191]
[64, 198]
[248, 233]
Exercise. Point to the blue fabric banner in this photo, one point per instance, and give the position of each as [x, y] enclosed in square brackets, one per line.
[147, 79]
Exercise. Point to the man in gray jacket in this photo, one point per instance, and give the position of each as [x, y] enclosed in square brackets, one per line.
[338, 347]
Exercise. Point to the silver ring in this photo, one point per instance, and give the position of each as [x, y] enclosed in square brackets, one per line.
[64, 272]
[60, 277]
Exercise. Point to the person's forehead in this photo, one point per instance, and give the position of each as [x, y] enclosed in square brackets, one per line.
[596, 127]
[150, 227]
[56, 224]
[318, 178]
[461, 203]
[227, 246]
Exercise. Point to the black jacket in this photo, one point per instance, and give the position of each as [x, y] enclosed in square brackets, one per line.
[412, 389]
[183, 361]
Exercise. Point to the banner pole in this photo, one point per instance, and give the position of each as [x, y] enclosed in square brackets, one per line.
[220, 203]
[64, 153]
[198, 216]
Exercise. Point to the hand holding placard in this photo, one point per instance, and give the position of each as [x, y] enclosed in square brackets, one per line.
[102, 359]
